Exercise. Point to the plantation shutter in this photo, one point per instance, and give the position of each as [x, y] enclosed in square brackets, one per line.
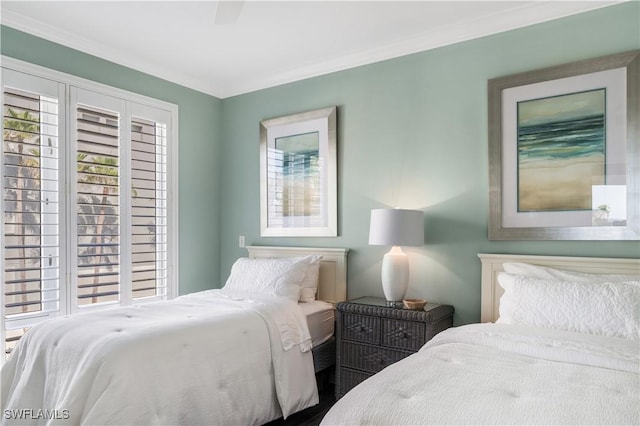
[86, 178]
[121, 200]
[31, 202]
[148, 207]
[98, 200]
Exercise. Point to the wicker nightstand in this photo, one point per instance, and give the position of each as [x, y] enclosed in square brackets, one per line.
[372, 335]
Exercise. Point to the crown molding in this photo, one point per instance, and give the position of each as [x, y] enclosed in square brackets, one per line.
[525, 15]
[69, 39]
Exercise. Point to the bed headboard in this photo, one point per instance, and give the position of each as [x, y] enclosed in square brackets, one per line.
[332, 282]
[492, 264]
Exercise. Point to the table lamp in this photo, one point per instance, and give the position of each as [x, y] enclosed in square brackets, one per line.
[396, 227]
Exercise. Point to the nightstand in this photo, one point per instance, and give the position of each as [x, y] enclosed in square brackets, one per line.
[372, 335]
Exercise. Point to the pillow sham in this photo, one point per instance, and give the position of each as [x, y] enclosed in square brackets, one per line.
[309, 288]
[270, 277]
[606, 308]
[546, 273]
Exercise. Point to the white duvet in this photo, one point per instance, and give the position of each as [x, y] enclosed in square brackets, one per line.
[204, 358]
[502, 374]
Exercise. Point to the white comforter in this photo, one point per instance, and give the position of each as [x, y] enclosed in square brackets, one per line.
[502, 374]
[204, 358]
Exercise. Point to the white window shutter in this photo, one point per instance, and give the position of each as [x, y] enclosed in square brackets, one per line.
[89, 183]
[97, 197]
[32, 204]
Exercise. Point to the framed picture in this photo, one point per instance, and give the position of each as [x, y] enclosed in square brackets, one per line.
[298, 175]
[564, 152]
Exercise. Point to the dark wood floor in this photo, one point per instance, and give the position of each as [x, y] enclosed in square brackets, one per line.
[312, 416]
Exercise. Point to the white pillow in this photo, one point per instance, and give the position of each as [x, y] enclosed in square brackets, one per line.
[546, 273]
[270, 277]
[606, 309]
[309, 288]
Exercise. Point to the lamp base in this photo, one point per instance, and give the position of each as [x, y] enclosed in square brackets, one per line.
[395, 274]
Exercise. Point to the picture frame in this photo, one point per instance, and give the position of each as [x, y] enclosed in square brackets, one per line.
[298, 175]
[564, 151]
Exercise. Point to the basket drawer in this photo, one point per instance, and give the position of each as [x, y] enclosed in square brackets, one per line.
[361, 328]
[350, 379]
[369, 358]
[409, 335]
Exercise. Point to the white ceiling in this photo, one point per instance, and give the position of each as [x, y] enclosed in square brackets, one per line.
[230, 48]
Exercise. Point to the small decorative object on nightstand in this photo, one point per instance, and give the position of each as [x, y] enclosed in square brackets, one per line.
[372, 335]
[415, 304]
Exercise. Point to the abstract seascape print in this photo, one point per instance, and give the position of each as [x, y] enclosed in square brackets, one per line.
[294, 167]
[301, 174]
[561, 151]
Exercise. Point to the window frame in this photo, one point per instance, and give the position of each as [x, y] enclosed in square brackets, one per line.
[67, 145]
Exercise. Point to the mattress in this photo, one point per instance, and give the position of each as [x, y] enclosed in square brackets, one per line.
[321, 320]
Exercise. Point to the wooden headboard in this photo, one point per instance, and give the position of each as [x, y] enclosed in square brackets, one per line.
[492, 265]
[332, 282]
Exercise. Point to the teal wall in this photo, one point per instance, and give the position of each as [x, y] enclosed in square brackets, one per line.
[199, 151]
[413, 134]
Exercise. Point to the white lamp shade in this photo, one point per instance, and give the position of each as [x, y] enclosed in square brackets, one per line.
[396, 227]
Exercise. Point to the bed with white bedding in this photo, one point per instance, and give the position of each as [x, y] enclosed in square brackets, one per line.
[565, 349]
[240, 355]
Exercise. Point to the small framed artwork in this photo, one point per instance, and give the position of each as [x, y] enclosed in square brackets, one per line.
[298, 175]
[564, 152]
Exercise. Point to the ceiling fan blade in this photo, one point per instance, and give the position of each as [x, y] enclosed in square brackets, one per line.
[228, 11]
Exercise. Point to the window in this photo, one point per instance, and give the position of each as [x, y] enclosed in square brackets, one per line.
[88, 178]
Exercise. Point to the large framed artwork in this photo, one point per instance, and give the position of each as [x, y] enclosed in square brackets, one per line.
[564, 152]
[298, 175]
